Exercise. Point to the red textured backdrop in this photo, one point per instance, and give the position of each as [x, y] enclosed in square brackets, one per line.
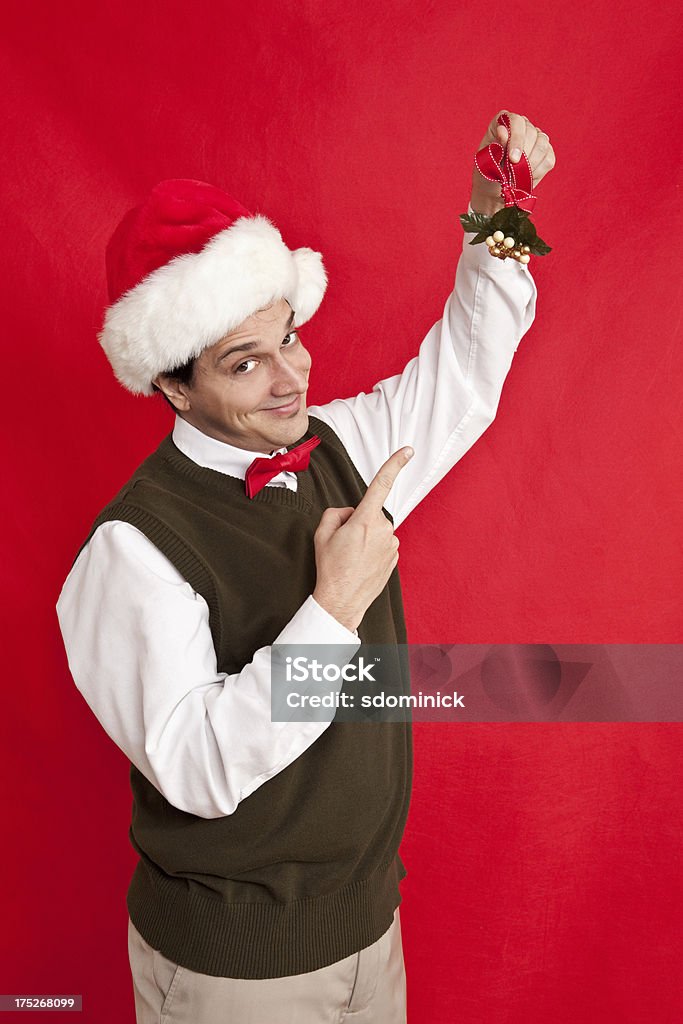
[544, 860]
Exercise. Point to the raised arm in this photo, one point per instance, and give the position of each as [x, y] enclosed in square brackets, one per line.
[448, 394]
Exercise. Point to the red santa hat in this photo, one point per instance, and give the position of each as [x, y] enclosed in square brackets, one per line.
[185, 268]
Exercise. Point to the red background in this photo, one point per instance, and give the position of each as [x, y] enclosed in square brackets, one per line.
[544, 860]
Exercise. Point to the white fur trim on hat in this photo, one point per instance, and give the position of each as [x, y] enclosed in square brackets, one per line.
[194, 300]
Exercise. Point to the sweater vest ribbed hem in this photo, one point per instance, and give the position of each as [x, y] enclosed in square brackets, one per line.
[261, 940]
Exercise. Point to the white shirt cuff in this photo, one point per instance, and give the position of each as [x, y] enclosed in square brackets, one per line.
[479, 255]
[313, 624]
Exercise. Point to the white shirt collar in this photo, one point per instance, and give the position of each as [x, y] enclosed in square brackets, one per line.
[219, 455]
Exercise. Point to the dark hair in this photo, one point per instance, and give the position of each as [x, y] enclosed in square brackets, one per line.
[183, 374]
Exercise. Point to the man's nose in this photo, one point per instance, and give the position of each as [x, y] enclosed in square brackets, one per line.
[288, 378]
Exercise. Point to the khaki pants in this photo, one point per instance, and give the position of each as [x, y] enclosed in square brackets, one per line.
[366, 988]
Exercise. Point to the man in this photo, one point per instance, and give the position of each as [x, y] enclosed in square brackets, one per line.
[267, 885]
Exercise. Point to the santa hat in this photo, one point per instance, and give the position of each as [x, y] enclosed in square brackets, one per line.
[185, 268]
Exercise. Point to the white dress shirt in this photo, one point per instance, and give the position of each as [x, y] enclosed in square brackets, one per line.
[137, 635]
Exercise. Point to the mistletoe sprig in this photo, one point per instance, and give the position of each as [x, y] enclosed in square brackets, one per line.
[509, 232]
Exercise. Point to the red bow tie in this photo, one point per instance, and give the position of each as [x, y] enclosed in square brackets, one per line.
[262, 470]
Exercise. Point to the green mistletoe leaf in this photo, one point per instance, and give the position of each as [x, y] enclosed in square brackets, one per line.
[475, 222]
[512, 221]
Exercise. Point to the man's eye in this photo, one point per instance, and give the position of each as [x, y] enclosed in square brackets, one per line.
[292, 335]
[245, 363]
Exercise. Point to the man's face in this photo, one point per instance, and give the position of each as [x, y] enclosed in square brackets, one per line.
[239, 382]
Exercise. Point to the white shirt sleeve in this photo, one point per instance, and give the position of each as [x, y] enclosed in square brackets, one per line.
[448, 394]
[141, 653]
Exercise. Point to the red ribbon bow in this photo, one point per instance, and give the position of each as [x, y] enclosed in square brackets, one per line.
[262, 470]
[516, 179]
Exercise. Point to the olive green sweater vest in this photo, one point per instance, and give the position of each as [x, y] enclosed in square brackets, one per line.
[305, 871]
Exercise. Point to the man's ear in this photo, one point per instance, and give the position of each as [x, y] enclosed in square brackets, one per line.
[174, 390]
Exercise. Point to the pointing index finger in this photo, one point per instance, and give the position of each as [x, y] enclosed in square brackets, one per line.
[383, 481]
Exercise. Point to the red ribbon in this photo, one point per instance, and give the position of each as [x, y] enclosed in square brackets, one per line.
[262, 470]
[517, 182]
